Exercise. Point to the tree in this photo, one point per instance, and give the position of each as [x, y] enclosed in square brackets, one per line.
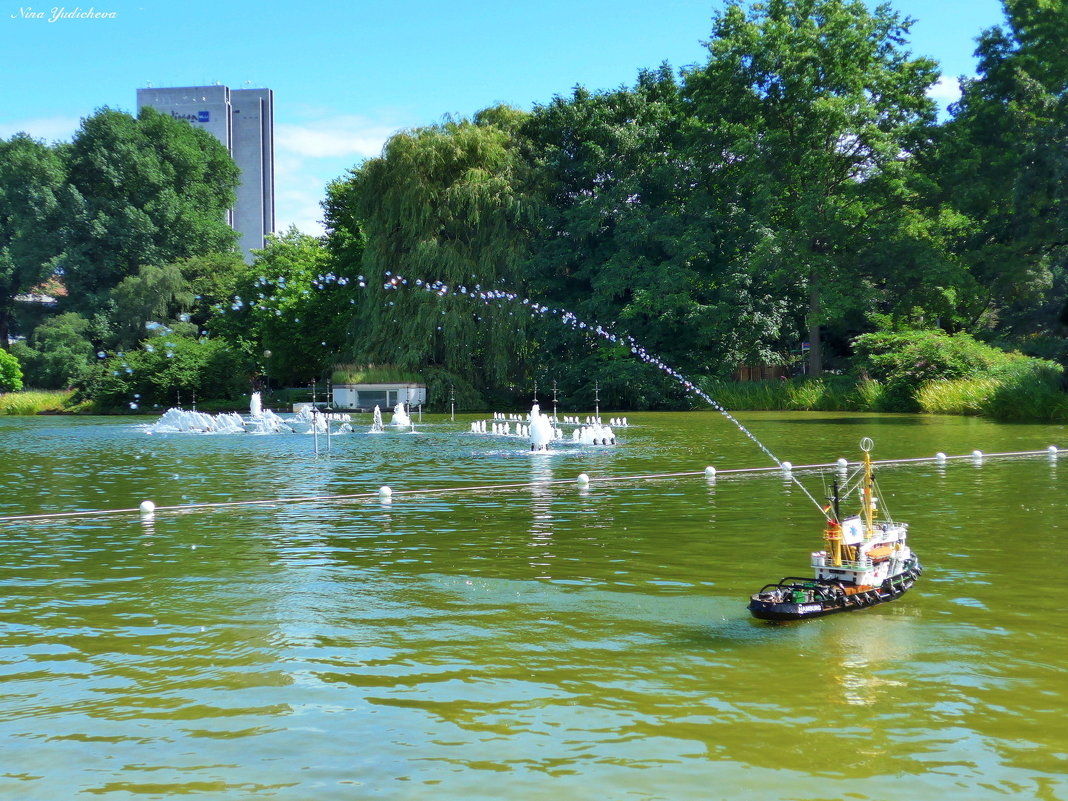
[1002, 162]
[31, 181]
[58, 351]
[212, 278]
[806, 111]
[168, 370]
[629, 235]
[289, 304]
[10, 372]
[440, 205]
[154, 294]
[144, 191]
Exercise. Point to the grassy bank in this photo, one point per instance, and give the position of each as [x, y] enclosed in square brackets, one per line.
[831, 394]
[1013, 399]
[1024, 396]
[35, 402]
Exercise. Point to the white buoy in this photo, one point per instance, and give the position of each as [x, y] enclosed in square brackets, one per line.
[843, 464]
[787, 467]
[1052, 450]
[977, 455]
[940, 457]
[147, 508]
[385, 492]
[710, 471]
[583, 479]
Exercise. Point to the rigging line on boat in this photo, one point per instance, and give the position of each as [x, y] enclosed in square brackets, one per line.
[372, 495]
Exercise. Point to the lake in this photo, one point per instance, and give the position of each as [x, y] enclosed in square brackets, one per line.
[547, 642]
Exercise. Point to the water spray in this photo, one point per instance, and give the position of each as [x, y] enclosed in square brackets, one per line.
[395, 281]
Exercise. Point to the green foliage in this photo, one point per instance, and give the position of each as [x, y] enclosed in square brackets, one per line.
[58, 352]
[443, 387]
[290, 312]
[1032, 390]
[616, 241]
[440, 204]
[34, 402]
[1002, 163]
[824, 394]
[801, 115]
[212, 278]
[152, 295]
[145, 191]
[31, 180]
[167, 370]
[906, 361]
[10, 372]
[373, 374]
[968, 396]
[1029, 395]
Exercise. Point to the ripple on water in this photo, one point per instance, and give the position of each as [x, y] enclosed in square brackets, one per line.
[519, 643]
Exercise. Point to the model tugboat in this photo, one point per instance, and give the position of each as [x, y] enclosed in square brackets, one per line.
[866, 562]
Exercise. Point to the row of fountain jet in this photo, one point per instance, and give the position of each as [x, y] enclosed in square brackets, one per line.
[590, 419]
[265, 421]
[542, 430]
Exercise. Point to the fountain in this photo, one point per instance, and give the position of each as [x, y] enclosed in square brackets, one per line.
[541, 430]
[400, 417]
[376, 424]
[259, 421]
[594, 434]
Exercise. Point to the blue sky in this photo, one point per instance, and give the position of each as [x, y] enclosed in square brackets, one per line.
[348, 74]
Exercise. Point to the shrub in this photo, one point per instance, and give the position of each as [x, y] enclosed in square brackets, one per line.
[167, 370]
[10, 372]
[906, 361]
[957, 396]
[58, 352]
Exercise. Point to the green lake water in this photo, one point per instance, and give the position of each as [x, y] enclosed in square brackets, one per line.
[527, 643]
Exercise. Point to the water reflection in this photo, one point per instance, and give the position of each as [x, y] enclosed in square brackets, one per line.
[541, 517]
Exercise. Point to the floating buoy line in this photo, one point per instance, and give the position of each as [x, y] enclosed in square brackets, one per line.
[385, 494]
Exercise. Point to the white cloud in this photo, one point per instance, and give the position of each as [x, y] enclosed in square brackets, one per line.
[945, 90]
[352, 136]
[311, 153]
[50, 129]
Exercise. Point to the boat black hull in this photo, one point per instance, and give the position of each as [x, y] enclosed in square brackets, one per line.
[827, 598]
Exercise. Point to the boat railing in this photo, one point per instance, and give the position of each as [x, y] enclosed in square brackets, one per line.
[862, 564]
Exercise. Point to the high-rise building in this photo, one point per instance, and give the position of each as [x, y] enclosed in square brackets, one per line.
[243, 121]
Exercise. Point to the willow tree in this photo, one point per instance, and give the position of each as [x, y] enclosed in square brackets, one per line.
[439, 205]
[807, 110]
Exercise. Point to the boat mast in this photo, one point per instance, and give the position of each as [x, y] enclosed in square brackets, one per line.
[868, 499]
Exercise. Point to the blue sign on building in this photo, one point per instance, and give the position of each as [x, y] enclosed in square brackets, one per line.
[203, 116]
